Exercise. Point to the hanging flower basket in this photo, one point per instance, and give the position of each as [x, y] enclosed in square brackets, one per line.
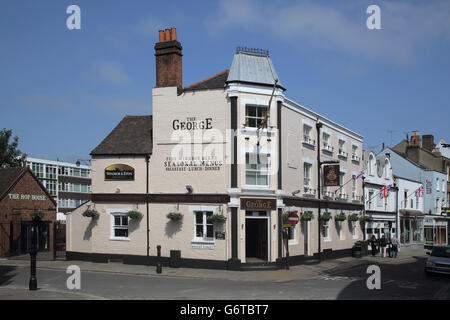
[340, 217]
[326, 216]
[217, 218]
[353, 217]
[37, 214]
[134, 215]
[91, 214]
[364, 218]
[175, 216]
[307, 216]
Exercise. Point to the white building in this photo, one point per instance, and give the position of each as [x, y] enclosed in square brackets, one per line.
[380, 196]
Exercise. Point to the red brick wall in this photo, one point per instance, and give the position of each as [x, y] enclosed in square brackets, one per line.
[19, 210]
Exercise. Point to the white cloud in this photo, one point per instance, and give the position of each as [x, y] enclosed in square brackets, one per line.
[308, 25]
[111, 72]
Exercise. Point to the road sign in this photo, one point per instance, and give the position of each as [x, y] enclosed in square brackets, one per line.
[293, 218]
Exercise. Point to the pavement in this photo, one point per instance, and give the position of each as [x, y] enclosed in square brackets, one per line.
[319, 270]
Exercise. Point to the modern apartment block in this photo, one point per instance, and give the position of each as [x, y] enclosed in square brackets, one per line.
[68, 183]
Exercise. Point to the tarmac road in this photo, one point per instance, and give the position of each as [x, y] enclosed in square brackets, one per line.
[341, 279]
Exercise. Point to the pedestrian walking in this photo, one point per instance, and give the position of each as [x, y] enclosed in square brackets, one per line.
[383, 244]
[395, 245]
[373, 245]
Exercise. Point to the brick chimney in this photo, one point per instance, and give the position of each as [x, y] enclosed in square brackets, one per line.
[428, 142]
[169, 72]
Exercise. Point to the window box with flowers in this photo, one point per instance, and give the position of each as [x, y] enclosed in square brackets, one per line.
[353, 217]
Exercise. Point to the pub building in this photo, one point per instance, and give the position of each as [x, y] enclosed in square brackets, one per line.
[22, 196]
[208, 179]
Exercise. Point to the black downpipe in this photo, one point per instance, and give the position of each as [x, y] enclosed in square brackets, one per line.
[147, 157]
[318, 126]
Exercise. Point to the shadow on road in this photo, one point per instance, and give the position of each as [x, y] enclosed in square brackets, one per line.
[6, 274]
[406, 280]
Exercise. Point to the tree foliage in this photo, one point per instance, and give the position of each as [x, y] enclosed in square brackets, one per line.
[10, 156]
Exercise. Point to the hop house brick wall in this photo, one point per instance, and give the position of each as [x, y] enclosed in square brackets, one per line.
[18, 210]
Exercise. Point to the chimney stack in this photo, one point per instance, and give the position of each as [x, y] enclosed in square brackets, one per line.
[428, 142]
[169, 72]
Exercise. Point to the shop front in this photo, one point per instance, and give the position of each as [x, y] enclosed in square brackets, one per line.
[435, 231]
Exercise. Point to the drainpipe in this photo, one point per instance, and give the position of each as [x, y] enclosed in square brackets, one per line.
[147, 158]
[318, 126]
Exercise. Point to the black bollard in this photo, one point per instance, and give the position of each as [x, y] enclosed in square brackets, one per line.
[33, 281]
[158, 262]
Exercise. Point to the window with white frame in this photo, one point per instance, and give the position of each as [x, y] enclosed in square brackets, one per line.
[257, 169]
[119, 225]
[38, 170]
[354, 230]
[326, 141]
[256, 116]
[386, 164]
[292, 234]
[326, 230]
[307, 176]
[370, 200]
[307, 134]
[204, 229]
[370, 165]
[50, 172]
[443, 185]
[437, 184]
[417, 201]
[354, 189]
[341, 145]
[355, 153]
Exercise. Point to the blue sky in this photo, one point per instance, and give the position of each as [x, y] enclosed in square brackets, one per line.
[62, 91]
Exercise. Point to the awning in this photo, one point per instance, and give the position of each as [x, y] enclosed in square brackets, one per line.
[414, 213]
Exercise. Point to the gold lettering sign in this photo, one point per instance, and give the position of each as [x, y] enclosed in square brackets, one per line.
[258, 204]
[119, 172]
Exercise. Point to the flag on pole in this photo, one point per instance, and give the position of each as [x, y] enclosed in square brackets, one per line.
[419, 192]
[385, 191]
[361, 174]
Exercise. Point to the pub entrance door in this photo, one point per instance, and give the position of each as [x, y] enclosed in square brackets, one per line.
[257, 236]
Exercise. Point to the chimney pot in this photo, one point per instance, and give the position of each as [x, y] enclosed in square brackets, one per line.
[161, 35]
[167, 35]
[173, 34]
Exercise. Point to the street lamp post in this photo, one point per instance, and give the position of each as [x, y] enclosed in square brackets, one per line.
[33, 281]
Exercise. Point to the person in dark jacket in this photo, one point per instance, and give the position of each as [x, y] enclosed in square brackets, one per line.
[373, 245]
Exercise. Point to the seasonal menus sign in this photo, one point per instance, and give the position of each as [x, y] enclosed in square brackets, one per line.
[119, 172]
[190, 164]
